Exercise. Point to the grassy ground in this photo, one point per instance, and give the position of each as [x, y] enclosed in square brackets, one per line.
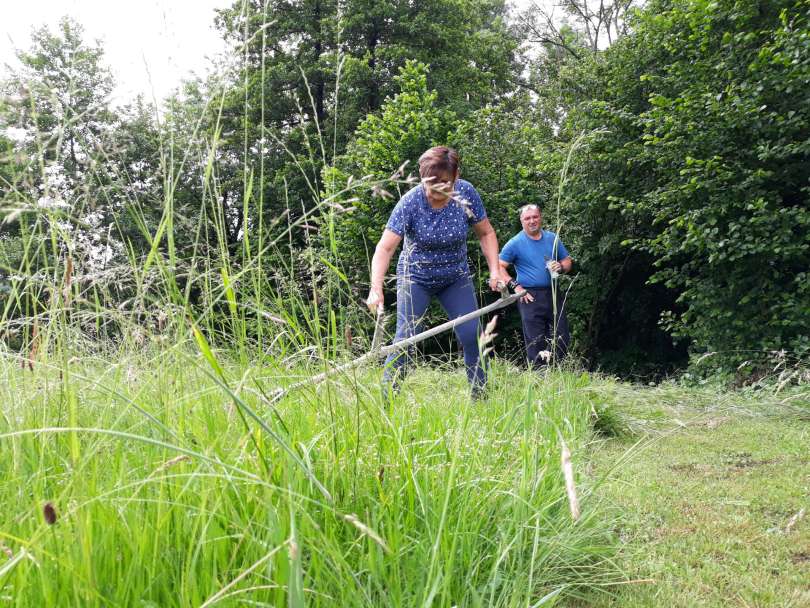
[714, 502]
[138, 484]
[147, 483]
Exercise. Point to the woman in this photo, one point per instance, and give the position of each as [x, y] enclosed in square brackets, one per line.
[434, 218]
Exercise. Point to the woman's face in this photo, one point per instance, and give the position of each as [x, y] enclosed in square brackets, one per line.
[439, 189]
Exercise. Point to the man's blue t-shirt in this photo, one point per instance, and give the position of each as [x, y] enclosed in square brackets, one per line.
[434, 251]
[530, 257]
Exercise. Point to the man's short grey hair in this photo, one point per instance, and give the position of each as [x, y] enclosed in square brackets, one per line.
[525, 208]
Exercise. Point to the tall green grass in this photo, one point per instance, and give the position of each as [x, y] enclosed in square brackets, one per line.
[138, 404]
[164, 497]
[176, 479]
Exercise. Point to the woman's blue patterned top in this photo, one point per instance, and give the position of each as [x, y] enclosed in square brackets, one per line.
[434, 250]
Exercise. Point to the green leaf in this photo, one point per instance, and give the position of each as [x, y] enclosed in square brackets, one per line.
[205, 349]
[229, 294]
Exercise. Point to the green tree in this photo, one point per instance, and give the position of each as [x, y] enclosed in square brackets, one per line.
[311, 70]
[501, 147]
[60, 96]
[705, 168]
[408, 123]
[467, 44]
[87, 186]
[58, 102]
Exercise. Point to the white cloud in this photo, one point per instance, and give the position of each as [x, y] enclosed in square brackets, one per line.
[150, 45]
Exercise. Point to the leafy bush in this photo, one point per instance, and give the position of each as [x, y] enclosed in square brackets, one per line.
[704, 170]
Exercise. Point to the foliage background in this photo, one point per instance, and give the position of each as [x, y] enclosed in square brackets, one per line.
[685, 206]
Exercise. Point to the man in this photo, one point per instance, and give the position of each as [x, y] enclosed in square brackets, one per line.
[539, 256]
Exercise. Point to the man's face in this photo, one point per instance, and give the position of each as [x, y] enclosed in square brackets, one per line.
[532, 221]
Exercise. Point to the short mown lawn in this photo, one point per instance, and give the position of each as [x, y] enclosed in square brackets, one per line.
[714, 499]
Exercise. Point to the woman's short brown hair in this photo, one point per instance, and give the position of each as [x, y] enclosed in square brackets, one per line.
[438, 161]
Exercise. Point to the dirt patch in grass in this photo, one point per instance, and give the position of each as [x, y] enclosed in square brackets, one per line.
[744, 460]
[692, 467]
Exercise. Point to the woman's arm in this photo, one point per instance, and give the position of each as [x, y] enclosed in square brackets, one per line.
[389, 241]
[489, 245]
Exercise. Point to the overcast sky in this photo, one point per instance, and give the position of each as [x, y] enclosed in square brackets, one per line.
[150, 45]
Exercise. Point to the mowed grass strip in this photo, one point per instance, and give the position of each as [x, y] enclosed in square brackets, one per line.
[714, 501]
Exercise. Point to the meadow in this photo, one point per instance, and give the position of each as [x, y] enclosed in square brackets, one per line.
[174, 276]
[148, 482]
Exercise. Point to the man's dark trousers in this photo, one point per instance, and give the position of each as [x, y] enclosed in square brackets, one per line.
[538, 325]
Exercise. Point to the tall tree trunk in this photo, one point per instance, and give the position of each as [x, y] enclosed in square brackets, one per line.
[372, 40]
[319, 84]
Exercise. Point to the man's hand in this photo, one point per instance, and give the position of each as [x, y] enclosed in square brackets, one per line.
[555, 266]
[527, 297]
[375, 300]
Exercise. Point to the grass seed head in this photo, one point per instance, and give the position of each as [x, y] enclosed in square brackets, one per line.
[49, 513]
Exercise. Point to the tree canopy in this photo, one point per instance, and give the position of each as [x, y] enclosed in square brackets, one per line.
[668, 144]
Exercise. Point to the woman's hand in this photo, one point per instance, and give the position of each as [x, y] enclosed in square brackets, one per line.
[389, 241]
[500, 280]
[496, 282]
[374, 300]
[489, 246]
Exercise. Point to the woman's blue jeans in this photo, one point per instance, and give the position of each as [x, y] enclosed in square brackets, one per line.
[457, 299]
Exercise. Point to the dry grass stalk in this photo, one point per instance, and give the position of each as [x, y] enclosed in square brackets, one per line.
[353, 519]
[68, 281]
[171, 462]
[487, 337]
[32, 353]
[378, 192]
[273, 318]
[568, 474]
[792, 521]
